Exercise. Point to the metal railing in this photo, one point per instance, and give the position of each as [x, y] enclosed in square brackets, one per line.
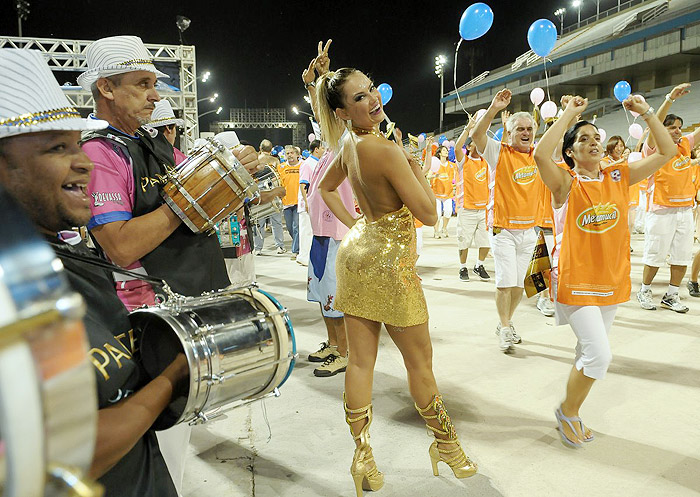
[602, 15]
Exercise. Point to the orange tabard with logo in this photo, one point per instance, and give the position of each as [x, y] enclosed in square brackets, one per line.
[672, 185]
[475, 186]
[516, 190]
[289, 177]
[545, 213]
[594, 259]
[443, 181]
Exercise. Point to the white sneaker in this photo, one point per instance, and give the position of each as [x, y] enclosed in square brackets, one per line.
[645, 300]
[257, 252]
[673, 302]
[281, 250]
[545, 306]
[505, 335]
[516, 338]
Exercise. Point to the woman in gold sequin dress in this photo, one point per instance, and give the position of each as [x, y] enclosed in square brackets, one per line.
[377, 280]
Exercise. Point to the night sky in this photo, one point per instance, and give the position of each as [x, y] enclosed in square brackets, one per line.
[256, 50]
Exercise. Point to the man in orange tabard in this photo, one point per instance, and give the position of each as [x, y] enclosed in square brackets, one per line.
[512, 207]
[472, 197]
[669, 224]
[289, 177]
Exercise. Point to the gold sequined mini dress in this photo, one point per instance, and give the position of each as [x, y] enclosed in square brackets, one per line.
[376, 271]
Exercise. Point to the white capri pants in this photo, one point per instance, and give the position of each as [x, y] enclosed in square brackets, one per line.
[591, 325]
[669, 232]
[445, 208]
[419, 240]
[512, 251]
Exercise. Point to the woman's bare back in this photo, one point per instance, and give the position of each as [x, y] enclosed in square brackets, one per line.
[375, 194]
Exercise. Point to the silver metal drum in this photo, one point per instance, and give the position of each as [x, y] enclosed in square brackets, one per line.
[239, 345]
[48, 397]
[267, 179]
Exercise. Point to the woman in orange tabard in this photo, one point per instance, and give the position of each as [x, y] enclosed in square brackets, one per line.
[442, 182]
[615, 153]
[590, 204]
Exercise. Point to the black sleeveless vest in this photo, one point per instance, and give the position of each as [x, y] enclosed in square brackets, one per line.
[190, 263]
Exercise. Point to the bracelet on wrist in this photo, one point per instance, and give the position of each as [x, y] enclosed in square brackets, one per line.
[668, 97]
[648, 112]
[308, 85]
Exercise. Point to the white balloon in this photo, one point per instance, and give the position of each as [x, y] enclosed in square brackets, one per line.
[480, 113]
[435, 165]
[537, 96]
[548, 109]
[634, 157]
[602, 134]
[636, 131]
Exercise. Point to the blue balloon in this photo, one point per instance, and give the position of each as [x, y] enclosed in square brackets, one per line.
[542, 36]
[498, 135]
[386, 92]
[622, 90]
[305, 153]
[441, 139]
[451, 155]
[475, 21]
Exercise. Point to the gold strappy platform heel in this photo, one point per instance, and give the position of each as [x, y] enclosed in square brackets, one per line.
[454, 456]
[363, 469]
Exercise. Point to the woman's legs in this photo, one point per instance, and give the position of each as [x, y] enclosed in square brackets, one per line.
[591, 324]
[363, 341]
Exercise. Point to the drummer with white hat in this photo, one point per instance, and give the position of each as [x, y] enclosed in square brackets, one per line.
[163, 119]
[130, 221]
[44, 168]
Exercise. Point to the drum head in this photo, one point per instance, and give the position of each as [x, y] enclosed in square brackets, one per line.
[161, 345]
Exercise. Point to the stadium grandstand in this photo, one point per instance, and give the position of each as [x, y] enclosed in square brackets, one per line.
[652, 44]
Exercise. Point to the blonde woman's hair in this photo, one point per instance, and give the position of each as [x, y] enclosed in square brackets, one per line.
[329, 95]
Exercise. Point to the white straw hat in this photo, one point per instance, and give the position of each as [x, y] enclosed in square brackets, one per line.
[31, 99]
[228, 139]
[163, 115]
[116, 55]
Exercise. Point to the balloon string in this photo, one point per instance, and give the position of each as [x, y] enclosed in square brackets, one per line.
[454, 78]
[546, 77]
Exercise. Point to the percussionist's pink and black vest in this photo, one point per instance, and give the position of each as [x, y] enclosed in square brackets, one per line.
[190, 263]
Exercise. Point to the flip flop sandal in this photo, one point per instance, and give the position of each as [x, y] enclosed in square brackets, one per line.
[569, 421]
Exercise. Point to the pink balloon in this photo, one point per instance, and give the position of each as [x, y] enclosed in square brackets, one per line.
[634, 157]
[537, 96]
[548, 109]
[602, 134]
[312, 137]
[435, 165]
[451, 144]
[636, 131]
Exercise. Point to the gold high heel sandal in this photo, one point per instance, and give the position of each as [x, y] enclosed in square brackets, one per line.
[363, 469]
[454, 457]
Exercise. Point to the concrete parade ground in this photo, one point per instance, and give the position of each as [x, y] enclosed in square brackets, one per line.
[645, 414]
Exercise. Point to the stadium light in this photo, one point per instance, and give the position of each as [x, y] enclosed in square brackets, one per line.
[205, 76]
[577, 5]
[560, 14]
[217, 111]
[296, 110]
[440, 63]
[211, 98]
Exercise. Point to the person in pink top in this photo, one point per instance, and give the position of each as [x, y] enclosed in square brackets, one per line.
[305, 171]
[328, 232]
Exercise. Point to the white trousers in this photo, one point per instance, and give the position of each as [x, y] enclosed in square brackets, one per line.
[591, 325]
[173, 444]
[306, 234]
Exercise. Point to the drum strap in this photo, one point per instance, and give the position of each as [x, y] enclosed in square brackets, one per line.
[94, 261]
